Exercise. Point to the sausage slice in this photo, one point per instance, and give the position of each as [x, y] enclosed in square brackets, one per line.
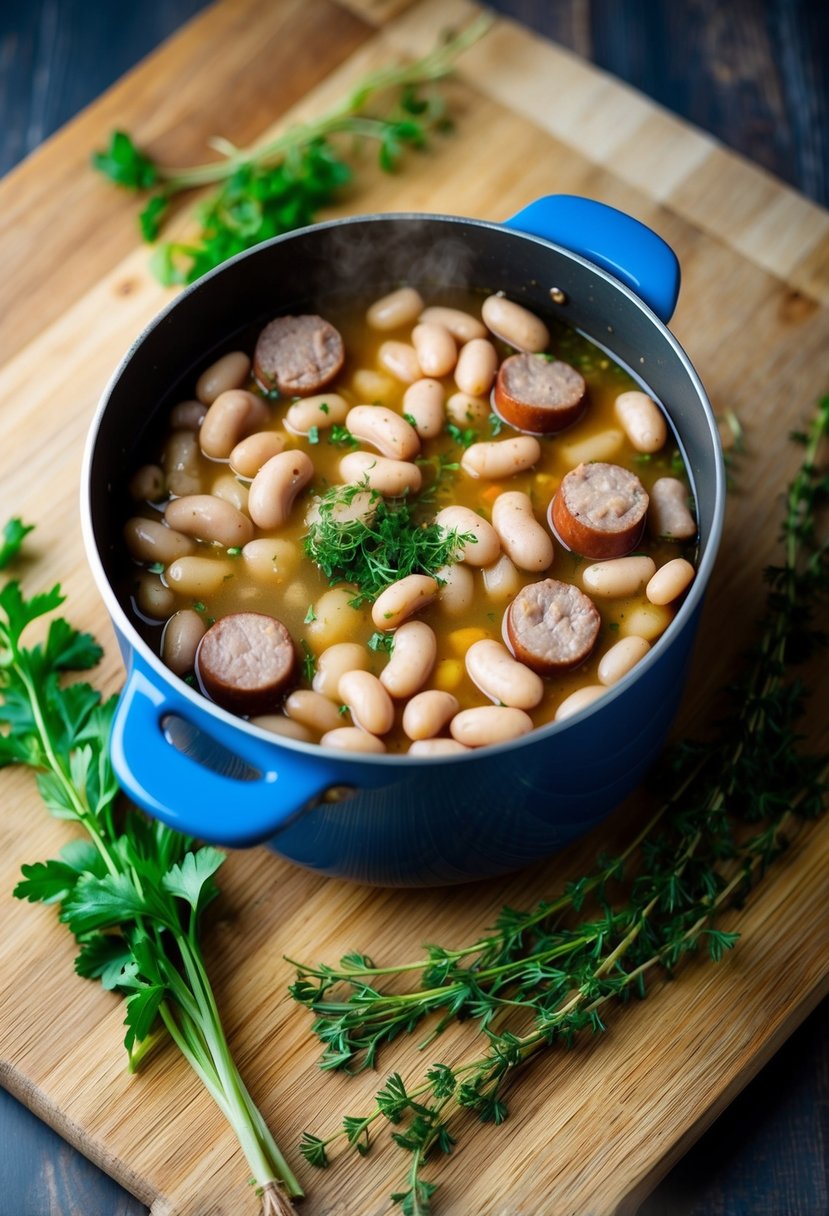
[535, 394]
[246, 661]
[551, 626]
[298, 355]
[599, 510]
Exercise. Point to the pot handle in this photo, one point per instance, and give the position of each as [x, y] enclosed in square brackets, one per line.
[613, 240]
[189, 796]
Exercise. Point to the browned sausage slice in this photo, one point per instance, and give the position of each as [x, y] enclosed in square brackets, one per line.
[299, 355]
[599, 510]
[246, 661]
[536, 394]
[551, 626]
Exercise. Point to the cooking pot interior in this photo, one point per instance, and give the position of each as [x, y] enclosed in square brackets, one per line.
[357, 258]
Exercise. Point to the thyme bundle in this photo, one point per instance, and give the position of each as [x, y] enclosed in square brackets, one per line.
[731, 802]
[280, 184]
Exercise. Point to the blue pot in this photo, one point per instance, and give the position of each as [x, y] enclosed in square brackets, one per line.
[395, 821]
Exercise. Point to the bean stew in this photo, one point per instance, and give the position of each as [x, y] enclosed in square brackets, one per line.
[421, 525]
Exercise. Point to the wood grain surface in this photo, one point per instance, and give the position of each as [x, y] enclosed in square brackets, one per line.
[592, 1130]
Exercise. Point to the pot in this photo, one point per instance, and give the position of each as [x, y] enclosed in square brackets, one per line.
[387, 819]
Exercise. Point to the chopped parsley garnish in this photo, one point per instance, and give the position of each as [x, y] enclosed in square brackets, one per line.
[310, 615]
[198, 606]
[325, 408]
[464, 438]
[314, 434]
[341, 437]
[381, 641]
[496, 425]
[309, 662]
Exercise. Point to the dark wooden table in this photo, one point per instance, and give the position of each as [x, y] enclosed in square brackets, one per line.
[752, 72]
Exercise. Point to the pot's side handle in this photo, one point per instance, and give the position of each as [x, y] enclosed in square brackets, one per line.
[613, 240]
[185, 794]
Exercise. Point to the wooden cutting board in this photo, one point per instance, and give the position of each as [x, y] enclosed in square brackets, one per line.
[594, 1129]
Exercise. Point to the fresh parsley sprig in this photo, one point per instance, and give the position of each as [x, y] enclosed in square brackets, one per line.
[131, 891]
[280, 184]
[731, 802]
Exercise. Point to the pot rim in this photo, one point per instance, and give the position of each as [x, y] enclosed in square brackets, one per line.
[202, 705]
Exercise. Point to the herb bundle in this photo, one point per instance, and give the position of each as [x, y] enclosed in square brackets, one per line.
[280, 184]
[133, 891]
[541, 977]
[383, 544]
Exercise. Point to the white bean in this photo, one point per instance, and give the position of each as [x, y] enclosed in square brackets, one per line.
[621, 658]
[457, 592]
[335, 618]
[210, 519]
[483, 550]
[605, 446]
[462, 326]
[501, 580]
[321, 412]
[384, 430]
[403, 599]
[500, 677]
[579, 700]
[248, 456]
[370, 385]
[229, 372]
[462, 409]
[668, 513]
[476, 367]
[360, 506]
[487, 724]
[515, 324]
[436, 350]
[352, 739]
[437, 747]
[149, 540]
[181, 463]
[645, 620]
[427, 713]
[670, 581]
[313, 710]
[180, 640]
[229, 488]
[642, 421]
[276, 486]
[389, 477]
[187, 415]
[152, 598]
[501, 457]
[197, 576]
[400, 359]
[523, 538]
[334, 662]
[232, 415]
[423, 402]
[270, 559]
[396, 309]
[412, 659]
[278, 724]
[370, 705]
[622, 576]
[147, 484]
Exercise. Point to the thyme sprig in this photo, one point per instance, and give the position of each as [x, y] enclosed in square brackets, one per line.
[131, 891]
[388, 541]
[545, 976]
[276, 185]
